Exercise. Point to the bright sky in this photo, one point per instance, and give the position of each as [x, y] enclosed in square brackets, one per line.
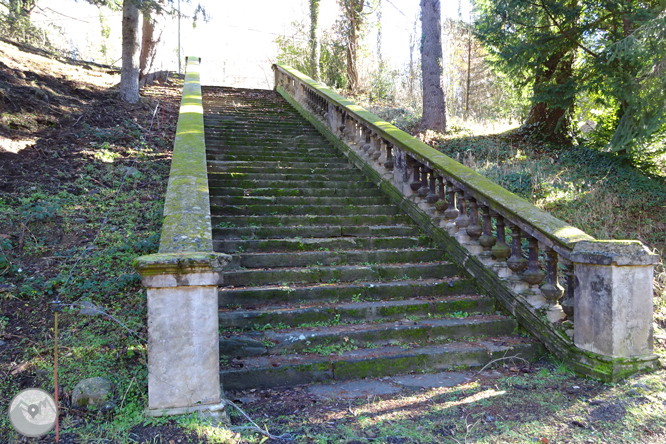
[237, 45]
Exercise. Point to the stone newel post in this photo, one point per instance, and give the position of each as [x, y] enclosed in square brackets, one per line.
[182, 279]
[613, 298]
[183, 332]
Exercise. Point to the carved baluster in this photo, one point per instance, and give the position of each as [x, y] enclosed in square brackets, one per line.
[432, 196]
[462, 221]
[486, 240]
[568, 300]
[389, 164]
[501, 251]
[533, 275]
[359, 134]
[474, 230]
[516, 263]
[451, 212]
[423, 191]
[415, 185]
[376, 147]
[552, 290]
[441, 203]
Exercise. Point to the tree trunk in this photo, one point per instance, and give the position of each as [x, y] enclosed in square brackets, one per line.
[314, 40]
[550, 121]
[353, 10]
[150, 38]
[129, 74]
[434, 109]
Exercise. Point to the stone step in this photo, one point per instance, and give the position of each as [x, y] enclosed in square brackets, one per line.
[260, 140]
[314, 153]
[296, 200]
[291, 369]
[404, 289]
[295, 129]
[229, 156]
[231, 246]
[308, 192]
[280, 184]
[260, 167]
[303, 209]
[338, 273]
[309, 220]
[349, 257]
[363, 335]
[352, 312]
[304, 178]
[313, 231]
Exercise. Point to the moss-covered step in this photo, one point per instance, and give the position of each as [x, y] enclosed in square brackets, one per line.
[306, 220]
[262, 183]
[321, 192]
[297, 200]
[305, 170]
[313, 231]
[290, 370]
[348, 257]
[375, 334]
[403, 289]
[303, 209]
[339, 273]
[288, 316]
[287, 175]
[312, 244]
[229, 155]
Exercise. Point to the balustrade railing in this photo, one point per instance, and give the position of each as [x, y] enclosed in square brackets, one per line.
[540, 261]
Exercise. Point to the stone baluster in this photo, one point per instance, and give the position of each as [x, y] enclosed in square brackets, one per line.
[451, 212]
[376, 142]
[389, 164]
[501, 251]
[516, 262]
[441, 203]
[415, 185]
[568, 300]
[432, 196]
[486, 240]
[359, 140]
[423, 190]
[552, 290]
[462, 221]
[474, 230]
[533, 275]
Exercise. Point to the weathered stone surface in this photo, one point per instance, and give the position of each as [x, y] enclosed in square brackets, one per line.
[442, 379]
[353, 389]
[240, 346]
[92, 392]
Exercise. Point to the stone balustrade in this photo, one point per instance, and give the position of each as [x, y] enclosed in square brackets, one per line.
[182, 278]
[589, 301]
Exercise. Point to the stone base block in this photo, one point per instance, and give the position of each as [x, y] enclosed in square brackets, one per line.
[216, 413]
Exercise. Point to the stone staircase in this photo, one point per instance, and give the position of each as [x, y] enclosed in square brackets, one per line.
[329, 281]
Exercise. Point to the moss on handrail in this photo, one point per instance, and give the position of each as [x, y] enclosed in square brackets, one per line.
[187, 226]
[511, 205]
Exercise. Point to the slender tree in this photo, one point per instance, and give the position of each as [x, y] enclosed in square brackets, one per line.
[354, 17]
[314, 40]
[152, 28]
[434, 109]
[129, 73]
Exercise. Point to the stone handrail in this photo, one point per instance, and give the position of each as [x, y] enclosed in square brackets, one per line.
[611, 332]
[182, 278]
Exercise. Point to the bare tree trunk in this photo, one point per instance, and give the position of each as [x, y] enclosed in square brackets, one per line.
[150, 38]
[469, 70]
[129, 74]
[552, 122]
[434, 109]
[353, 11]
[314, 40]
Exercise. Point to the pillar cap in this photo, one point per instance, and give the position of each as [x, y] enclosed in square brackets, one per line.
[180, 263]
[619, 253]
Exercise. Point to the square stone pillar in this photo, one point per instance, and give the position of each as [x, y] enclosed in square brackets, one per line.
[613, 298]
[183, 332]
